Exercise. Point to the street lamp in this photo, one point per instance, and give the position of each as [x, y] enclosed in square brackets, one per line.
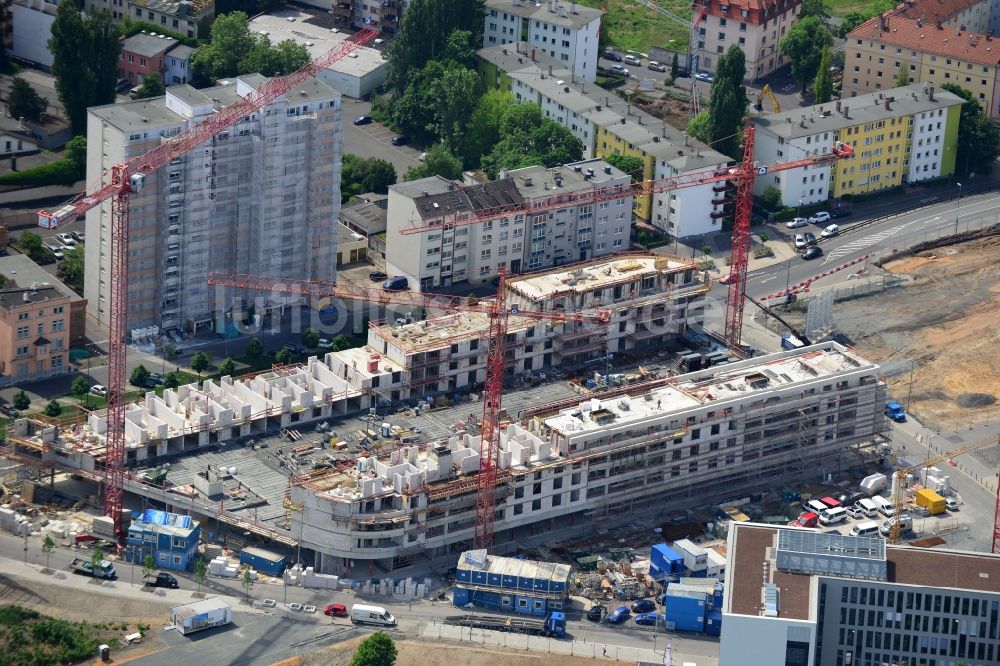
[958, 206]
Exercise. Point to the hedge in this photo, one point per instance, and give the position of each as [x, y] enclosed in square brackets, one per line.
[60, 172]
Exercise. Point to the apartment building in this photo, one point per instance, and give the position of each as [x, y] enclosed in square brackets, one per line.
[34, 332]
[30, 26]
[902, 135]
[240, 202]
[607, 124]
[450, 250]
[191, 18]
[567, 34]
[755, 26]
[144, 54]
[805, 598]
[697, 438]
[653, 299]
[382, 15]
[178, 65]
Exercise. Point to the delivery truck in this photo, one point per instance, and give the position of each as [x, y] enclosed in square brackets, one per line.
[930, 500]
[200, 615]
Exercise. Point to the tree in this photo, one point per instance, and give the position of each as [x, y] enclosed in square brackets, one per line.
[438, 162]
[727, 103]
[48, 545]
[71, 268]
[231, 42]
[698, 127]
[255, 348]
[80, 387]
[903, 75]
[823, 84]
[152, 86]
[200, 362]
[105, 48]
[199, 573]
[978, 137]
[53, 409]
[227, 367]
[76, 154]
[96, 558]
[426, 34]
[814, 8]
[413, 110]
[21, 401]
[148, 566]
[283, 356]
[455, 96]
[870, 9]
[633, 166]
[341, 342]
[803, 46]
[139, 377]
[359, 175]
[310, 338]
[31, 244]
[376, 650]
[771, 198]
[171, 381]
[269, 60]
[247, 582]
[458, 49]
[69, 46]
[528, 139]
[483, 126]
[732, 66]
[675, 68]
[24, 102]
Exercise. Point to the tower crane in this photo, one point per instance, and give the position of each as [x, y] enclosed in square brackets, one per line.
[118, 184]
[899, 484]
[498, 312]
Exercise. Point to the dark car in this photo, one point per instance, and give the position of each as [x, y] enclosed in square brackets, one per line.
[378, 276]
[400, 140]
[840, 212]
[363, 120]
[10, 411]
[810, 238]
[396, 283]
[596, 613]
[813, 252]
[297, 349]
[643, 606]
[162, 580]
[618, 615]
[612, 56]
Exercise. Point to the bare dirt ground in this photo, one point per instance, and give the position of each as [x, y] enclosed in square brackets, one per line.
[946, 323]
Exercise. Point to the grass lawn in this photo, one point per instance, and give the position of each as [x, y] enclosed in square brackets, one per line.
[844, 7]
[632, 26]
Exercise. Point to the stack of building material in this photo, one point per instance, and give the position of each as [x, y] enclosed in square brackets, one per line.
[220, 566]
[318, 581]
[12, 521]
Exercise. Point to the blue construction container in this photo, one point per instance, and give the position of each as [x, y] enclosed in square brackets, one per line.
[664, 560]
[493, 578]
[460, 596]
[713, 625]
[560, 578]
[264, 561]
[478, 577]
[463, 575]
[686, 607]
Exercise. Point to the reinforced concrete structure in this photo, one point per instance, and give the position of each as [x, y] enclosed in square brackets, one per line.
[804, 598]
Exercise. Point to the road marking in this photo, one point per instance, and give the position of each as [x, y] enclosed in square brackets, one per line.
[773, 277]
[861, 243]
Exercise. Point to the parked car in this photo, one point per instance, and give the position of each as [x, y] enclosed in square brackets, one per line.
[800, 241]
[703, 76]
[97, 389]
[620, 70]
[296, 349]
[364, 120]
[161, 580]
[612, 56]
[797, 222]
[66, 239]
[830, 231]
[378, 276]
[840, 212]
[633, 60]
[820, 217]
[648, 619]
[80, 236]
[596, 612]
[324, 344]
[856, 512]
[8, 410]
[400, 140]
[726, 279]
[618, 615]
[56, 250]
[812, 252]
[335, 610]
[396, 283]
[156, 377]
[810, 238]
[656, 66]
[643, 606]
[421, 157]
[951, 503]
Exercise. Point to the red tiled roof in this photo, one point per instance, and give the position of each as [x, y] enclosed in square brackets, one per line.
[932, 10]
[926, 36]
[758, 11]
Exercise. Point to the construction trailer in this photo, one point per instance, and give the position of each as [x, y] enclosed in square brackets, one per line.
[509, 584]
[201, 615]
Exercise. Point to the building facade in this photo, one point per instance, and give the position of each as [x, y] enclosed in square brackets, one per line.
[238, 203]
[177, 65]
[805, 598]
[755, 26]
[31, 26]
[171, 539]
[190, 18]
[144, 54]
[902, 135]
[34, 332]
[567, 34]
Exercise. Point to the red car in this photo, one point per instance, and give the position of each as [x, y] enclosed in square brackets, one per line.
[335, 610]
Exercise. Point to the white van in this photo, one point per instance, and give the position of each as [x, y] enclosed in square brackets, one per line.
[868, 506]
[884, 506]
[816, 507]
[833, 516]
[361, 614]
[869, 529]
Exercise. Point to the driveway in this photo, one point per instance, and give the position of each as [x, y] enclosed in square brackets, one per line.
[374, 140]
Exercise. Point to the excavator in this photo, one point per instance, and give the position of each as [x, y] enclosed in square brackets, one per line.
[766, 92]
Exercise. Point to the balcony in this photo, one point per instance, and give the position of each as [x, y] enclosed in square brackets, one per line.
[721, 186]
[720, 201]
[342, 10]
[719, 213]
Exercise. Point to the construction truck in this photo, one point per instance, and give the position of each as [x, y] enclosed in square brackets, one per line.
[553, 625]
[86, 568]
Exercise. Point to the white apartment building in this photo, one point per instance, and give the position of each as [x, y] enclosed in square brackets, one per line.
[261, 197]
[191, 18]
[695, 210]
[755, 26]
[178, 65]
[567, 34]
[31, 21]
[448, 251]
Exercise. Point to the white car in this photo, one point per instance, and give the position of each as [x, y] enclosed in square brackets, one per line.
[422, 157]
[702, 76]
[55, 250]
[656, 66]
[830, 231]
[66, 239]
[951, 503]
[633, 60]
[800, 241]
[855, 512]
[820, 217]
[324, 344]
[97, 389]
[797, 222]
[618, 69]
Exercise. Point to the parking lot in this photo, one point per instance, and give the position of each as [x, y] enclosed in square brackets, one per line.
[374, 140]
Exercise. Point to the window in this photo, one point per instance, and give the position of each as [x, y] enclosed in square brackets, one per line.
[23, 332]
[58, 325]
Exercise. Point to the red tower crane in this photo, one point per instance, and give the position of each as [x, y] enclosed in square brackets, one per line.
[118, 184]
[498, 312]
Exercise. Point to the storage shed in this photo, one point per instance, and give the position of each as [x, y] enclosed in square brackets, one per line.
[263, 561]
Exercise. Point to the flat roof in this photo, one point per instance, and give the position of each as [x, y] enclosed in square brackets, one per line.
[593, 275]
[317, 40]
[906, 101]
[444, 331]
[536, 182]
[203, 606]
[25, 272]
[570, 15]
[148, 44]
[366, 217]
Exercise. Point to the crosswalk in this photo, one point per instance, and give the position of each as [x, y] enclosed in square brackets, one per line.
[867, 241]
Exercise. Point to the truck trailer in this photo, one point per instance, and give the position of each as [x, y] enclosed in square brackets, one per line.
[205, 614]
[553, 625]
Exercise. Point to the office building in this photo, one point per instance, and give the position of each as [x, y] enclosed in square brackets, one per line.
[800, 597]
[755, 26]
[566, 33]
[261, 197]
[903, 135]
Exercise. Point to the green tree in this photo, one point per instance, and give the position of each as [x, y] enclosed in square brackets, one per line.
[359, 175]
[283, 356]
[727, 103]
[458, 49]
[455, 96]
[902, 75]
[823, 84]
[80, 388]
[48, 545]
[269, 60]
[169, 351]
[771, 198]
[341, 342]
[310, 338]
[675, 67]
[96, 558]
[413, 110]
[978, 137]
[200, 362]
[171, 381]
[227, 367]
[231, 42]
[483, 126]
[803, 46]
[139, 377]
[426, 34]
[247, 582]
[255, 348]
[698, 127]
[870, 9]
[24, 102]
[53, 409]
[631, 165]
[76, 154]
[438, 162]
[31, 244]
[376, 650]
[814, 8]
[199, 573]
[148, 566]
[21, 401]
[152, 86]
[71, 268]
[105, 48]
[528, 139]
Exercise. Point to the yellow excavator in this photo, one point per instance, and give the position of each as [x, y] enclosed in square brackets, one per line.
[766, 92]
